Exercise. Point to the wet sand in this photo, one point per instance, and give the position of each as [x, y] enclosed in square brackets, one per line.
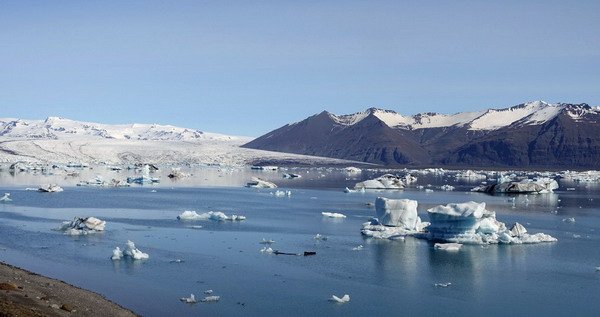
[23, 293]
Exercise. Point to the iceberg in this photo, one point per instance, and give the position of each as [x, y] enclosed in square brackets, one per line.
[177, 173]
[82, 226]
[526, 186]
[50, 188]
[333, 215]
[266, 250]
[471, 223]
[281, 193]
[387, 181]
[260, 183]
[342, 300]
[189, 300]
[291, 175]
[190, 215]
[397, 213]
[6, 198]
[130, 251]
[209, 299]
[447, 246]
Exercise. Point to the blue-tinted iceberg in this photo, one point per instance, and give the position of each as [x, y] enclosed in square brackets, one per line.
[395, 218]
[471, 223]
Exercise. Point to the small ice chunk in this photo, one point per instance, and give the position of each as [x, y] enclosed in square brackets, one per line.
[358, 248]
[209, 299]
[117, 254]
[344, 299]
[208, 291]
[320, 237]
[333, 215]
[569, 220]
[266, 241]
[447, 246]
[442, 284]
[82, 226]
[5, 198]
[266, 250]
[189, 300]
[134, 253]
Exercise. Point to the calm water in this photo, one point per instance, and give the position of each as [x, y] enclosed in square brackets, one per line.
[386, 277]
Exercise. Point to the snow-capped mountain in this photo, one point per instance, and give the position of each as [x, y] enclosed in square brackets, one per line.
[61, 128]
[530, 134]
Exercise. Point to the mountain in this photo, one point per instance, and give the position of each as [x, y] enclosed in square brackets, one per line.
[533, 134]
[61, 128]
[59, 140]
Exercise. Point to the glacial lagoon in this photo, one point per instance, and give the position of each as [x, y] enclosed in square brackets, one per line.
[384, 277]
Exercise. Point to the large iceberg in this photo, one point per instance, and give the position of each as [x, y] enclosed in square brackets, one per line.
[526, 186]
[387, 181]
[50, 188]
[82, 226]
[396, 218]
[471, 223]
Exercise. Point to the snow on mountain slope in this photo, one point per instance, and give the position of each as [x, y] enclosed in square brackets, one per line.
[60, 128]
[537, 111]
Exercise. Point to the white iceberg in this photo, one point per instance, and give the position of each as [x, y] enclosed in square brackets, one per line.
[342, 300]
[130, 251]
[397, 213]
[447, 246]
[260, 183]
[190, 215]
[387, 181]
[535, 186]
[569, 220]
[6, 198]
[320, 237]
[471, 223]
[50, 188]
[281, 193]
[333, 215]
[348, 190]
[266, 250]
[352, 170]
[189, 300]
[82, 226]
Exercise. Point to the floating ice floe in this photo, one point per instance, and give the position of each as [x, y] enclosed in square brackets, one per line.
[82, 226]
[190, 215]
[471, 223]
[348, 190]
[291, 175]
[447, 187]
[526, 186]
[212, 298]
[569, 220]
[189, 300]
[6, 198]
[395, 218]
[208, 291]
[281, 193]
[177, 173]
[260, 183]
[130, 251]
[344, 299]
[447, 246]
[266, 241]
[333, 215]
[320, 237]
[358, 248]
[387, 181]
[50, 188]
[266, 250]
[442, 284]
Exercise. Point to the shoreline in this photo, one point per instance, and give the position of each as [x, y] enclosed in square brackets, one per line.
[24, 293]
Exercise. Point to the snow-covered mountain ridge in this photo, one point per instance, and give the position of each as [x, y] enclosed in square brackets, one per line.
[531, 113]
[57, 128]
[535, 133]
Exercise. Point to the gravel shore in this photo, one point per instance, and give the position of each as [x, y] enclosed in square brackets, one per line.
[23, 293]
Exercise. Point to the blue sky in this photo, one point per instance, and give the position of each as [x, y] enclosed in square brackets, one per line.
[247, 67]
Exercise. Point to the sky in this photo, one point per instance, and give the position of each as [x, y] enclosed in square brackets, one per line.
[248, 67]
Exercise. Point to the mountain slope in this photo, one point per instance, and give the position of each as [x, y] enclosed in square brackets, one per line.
[529, 134]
